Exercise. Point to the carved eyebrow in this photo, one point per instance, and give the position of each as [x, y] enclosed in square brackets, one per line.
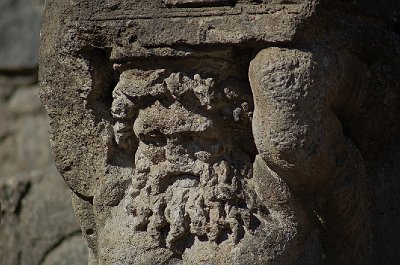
[137, 85]
[137, 93]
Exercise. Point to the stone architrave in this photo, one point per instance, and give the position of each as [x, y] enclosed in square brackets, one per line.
[224, 132]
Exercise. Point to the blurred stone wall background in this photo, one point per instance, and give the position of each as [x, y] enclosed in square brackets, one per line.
[37, 225]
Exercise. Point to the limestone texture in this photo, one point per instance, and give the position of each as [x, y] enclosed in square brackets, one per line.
[227, 132]
[36, 217]
[37, 222]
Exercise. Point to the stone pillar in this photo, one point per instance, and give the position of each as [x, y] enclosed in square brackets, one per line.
[225, 132]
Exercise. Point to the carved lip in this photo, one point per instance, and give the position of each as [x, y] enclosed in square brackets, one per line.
[180, 180]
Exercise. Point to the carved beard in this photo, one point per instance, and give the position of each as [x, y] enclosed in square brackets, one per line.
[214, 202]
[193, 157]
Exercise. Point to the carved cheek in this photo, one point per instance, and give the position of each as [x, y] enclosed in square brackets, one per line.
[147, 155]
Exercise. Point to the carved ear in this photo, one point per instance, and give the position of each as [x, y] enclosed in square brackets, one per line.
[275, 75]
[295, 130]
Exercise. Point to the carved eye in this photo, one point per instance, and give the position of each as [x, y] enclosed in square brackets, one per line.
[153, 137]
[198, 3]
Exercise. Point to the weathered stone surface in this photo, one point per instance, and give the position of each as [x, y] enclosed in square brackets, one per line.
[37, 220]
[227, 132]
[71, 251]
[37, 223]
[19, 30]
[37, 214]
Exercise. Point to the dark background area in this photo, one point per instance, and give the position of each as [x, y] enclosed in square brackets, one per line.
[37, 225]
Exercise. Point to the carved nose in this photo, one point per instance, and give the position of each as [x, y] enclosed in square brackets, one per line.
[198, 3]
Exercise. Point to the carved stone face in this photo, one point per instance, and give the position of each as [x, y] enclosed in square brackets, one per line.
[193, 156]
[179, 179]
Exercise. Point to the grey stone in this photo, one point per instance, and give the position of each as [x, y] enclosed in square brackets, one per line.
[25, 101]
[71, 251]
[37, 223]
[227, 132]
[37, 219]
[24, 144]
[19, 33]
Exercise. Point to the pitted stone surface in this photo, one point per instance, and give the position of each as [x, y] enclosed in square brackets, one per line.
[36, 216]
[225, 132]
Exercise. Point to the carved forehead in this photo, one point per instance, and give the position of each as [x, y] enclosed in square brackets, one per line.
[144, 85]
